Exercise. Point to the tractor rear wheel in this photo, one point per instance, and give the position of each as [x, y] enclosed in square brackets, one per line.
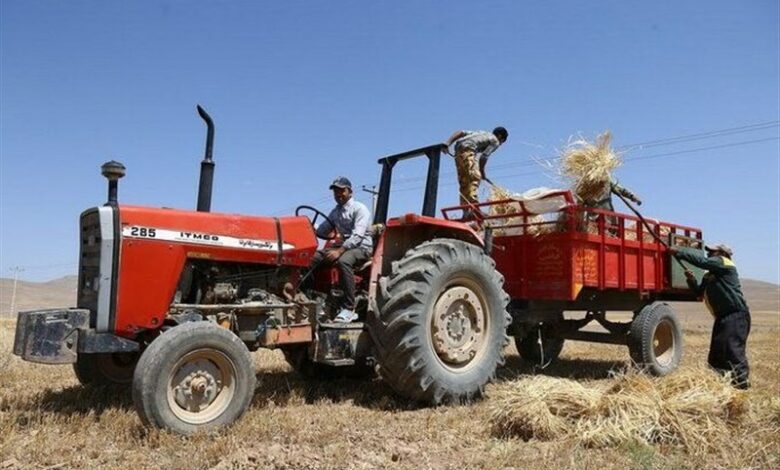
[105, 369]
[195, 376]
[655, 339]
[440, 329]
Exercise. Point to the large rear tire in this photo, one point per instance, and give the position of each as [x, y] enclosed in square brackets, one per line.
[194, 377]
[109, 369]
[655, 339]
[440, 329]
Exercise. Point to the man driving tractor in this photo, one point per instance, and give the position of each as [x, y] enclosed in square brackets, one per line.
[351, 245]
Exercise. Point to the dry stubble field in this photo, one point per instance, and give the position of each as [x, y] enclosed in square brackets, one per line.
[48, 421]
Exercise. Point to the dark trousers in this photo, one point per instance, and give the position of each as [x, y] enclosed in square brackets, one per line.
[346, 264]
[727, 348]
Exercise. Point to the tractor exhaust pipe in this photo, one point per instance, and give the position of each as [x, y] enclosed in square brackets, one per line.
[207, 165]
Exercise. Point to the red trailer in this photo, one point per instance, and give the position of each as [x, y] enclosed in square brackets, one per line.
[559, 256]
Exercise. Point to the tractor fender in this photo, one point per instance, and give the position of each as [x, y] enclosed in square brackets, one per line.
[408, 231]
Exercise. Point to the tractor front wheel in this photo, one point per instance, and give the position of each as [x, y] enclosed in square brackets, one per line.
[196, 376]
[441, 327]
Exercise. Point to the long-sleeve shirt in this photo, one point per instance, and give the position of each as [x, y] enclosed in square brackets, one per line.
[720, 286]
[483, 143]
[606, 202]
[352, 220]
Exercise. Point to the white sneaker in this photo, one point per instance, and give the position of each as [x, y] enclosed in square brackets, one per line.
[346, 316]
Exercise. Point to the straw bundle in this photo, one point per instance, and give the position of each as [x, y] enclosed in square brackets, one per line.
[693, 408]
[588, 166]
[498, 193]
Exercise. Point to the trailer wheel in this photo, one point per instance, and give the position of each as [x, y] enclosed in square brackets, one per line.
[441, 326]
[105, 369]
[195, 376]
[655, 339]
[540, 353]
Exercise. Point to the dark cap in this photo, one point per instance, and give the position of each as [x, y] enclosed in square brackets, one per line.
[341, 182]
[501, 133]
[721, 248]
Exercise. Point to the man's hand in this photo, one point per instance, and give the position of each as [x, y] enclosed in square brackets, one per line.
[674, 250]
[689, 274]
[334, 254]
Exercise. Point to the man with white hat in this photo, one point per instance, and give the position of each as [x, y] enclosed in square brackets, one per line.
[723, 296]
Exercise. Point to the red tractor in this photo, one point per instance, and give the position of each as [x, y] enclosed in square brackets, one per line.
[172, 301]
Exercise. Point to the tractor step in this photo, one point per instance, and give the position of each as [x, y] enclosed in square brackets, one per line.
[355, 325]
[340, 344]
[338, 362]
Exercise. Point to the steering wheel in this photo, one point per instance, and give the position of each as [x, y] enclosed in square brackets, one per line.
[317, 213]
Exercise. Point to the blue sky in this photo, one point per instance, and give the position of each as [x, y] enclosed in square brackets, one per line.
[304, 91]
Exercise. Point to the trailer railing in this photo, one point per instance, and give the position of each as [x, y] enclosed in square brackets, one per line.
[516, 217]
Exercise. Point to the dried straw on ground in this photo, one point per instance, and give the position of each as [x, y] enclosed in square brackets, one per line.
[589, 166]
[695, 409]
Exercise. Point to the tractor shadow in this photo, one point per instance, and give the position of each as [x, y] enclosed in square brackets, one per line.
[575, 369]
[292, 388]
[289, 388]
[76, 400]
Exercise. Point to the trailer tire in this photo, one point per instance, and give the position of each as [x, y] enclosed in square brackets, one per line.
[529, 349]
[190, 366]
[105, 369]
[655, 339]
[441, 321]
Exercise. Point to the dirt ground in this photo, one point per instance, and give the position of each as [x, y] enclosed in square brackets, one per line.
[48, 421]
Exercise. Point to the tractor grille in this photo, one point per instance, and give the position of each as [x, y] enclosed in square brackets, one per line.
[89, 263]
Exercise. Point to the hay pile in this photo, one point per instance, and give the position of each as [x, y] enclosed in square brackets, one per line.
[694, 409]
[498, 193]
[586, 166]
[589, 166]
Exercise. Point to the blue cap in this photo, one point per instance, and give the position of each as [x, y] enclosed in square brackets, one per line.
[341, 182]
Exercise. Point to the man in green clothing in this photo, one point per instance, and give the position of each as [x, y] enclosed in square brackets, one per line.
[606, 202]
[723, 296]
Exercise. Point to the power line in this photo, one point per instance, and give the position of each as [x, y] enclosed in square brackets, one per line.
[705, 135]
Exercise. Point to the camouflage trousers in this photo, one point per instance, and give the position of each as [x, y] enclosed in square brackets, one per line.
[469, 175]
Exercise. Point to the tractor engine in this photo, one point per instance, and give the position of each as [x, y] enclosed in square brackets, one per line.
[259, 303]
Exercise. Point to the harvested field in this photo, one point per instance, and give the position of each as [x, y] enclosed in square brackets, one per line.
[48, 421]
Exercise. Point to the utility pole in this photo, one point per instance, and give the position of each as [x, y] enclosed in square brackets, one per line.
[16, 270]
[374, 193]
